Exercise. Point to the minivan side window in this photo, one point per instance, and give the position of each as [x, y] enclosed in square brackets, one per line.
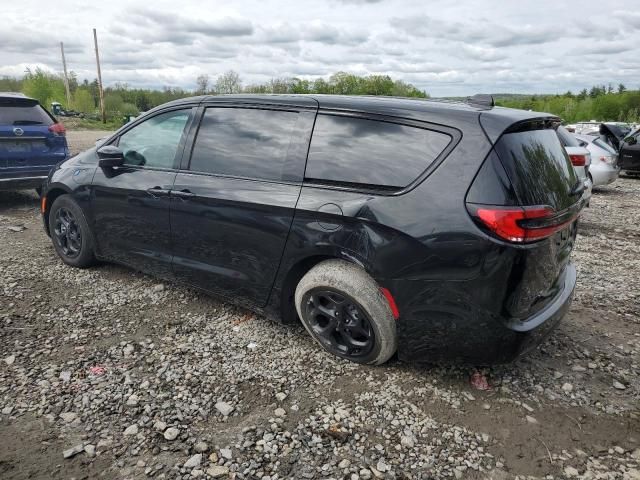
[366, 152]
[244, 142]
[154, 142]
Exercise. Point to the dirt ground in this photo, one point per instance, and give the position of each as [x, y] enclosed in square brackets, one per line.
[148, 380]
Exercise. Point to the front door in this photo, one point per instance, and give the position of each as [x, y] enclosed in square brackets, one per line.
[232, 209]
[131, 203]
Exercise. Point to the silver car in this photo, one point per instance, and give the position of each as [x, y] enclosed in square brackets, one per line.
[604, 167]
[580, 157]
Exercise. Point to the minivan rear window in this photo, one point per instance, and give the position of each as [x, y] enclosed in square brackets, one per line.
[539, 168]
[16, 112]
[370, 153]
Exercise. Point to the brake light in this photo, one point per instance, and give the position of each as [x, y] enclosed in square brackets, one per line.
[521, 224]
[58, 129]
[578, 160]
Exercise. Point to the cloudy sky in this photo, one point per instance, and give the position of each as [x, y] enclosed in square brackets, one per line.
[444, 47]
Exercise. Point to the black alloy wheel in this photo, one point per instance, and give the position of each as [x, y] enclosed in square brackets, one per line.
[67, 233]
[339, 323]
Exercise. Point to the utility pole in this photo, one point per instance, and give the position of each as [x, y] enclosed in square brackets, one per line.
[66, 76]
[95, 41]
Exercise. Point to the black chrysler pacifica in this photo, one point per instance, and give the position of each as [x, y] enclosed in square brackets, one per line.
[439, 230]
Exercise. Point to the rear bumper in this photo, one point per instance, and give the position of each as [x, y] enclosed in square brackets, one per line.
[22, 183]
[463, 334]
[604, 175]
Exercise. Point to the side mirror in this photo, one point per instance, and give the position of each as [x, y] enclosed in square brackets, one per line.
[110, 156]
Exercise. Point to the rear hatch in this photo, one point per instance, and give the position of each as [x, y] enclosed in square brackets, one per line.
[613, 134]
[31, 142]
[538, 208]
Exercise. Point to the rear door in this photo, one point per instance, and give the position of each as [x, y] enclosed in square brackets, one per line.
[29, 146]
[233, 203]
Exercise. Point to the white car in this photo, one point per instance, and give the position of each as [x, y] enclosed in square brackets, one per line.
[604, 167]
[579, 156]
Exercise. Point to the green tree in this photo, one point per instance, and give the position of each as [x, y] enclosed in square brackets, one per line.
[113, 104]
[43, 86]
[83, 101]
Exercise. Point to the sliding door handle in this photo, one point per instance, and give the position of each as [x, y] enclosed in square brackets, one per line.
[182, 194]
[157, 192]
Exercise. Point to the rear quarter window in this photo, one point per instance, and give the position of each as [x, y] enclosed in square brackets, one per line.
[370, 153]
[14, 112]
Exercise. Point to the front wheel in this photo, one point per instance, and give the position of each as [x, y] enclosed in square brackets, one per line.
[70, 233]
[343, 309]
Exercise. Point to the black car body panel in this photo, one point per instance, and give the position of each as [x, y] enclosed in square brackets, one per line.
[463, 294]
[626, 143]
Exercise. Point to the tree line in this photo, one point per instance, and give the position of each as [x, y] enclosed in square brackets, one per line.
[601, 102]
[120, 99]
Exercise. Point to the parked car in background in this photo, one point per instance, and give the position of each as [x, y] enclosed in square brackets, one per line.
[587, 128]
[627, 143]
[31, 142]
[579, 156]
[440, 230]
[604, 167]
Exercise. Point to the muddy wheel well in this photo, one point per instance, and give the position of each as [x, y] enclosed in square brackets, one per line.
[51, 197]
[287, 305]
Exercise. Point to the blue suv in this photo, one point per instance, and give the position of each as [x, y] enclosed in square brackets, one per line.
[31, 142]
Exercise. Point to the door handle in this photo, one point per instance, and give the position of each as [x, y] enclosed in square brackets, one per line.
[183, 194]
[157, 192]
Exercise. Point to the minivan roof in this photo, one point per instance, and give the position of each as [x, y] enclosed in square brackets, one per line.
[494, 120]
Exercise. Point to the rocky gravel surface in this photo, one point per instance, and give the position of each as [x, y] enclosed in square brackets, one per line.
[107, 373]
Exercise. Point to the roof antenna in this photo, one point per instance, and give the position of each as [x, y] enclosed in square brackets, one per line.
[481, 100]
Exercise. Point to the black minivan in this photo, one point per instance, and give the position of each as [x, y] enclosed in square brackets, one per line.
[439, 230]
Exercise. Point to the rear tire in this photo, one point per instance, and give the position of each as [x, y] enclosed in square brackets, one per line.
[344, 311]
[70, 233]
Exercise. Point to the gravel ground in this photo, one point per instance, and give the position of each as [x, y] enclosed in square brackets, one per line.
[106, 373]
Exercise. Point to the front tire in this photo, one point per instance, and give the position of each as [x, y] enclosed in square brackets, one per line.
[70, 233]
[343, 309]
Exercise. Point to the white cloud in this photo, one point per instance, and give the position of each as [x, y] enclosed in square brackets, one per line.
[445, 48]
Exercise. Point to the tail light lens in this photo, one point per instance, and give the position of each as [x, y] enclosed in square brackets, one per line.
[522, 224]
[578, 160]
[58, 129]
[609, 160]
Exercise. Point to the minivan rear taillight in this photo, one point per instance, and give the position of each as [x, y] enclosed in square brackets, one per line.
[578, 160]
[521, 224]
[57, 129]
